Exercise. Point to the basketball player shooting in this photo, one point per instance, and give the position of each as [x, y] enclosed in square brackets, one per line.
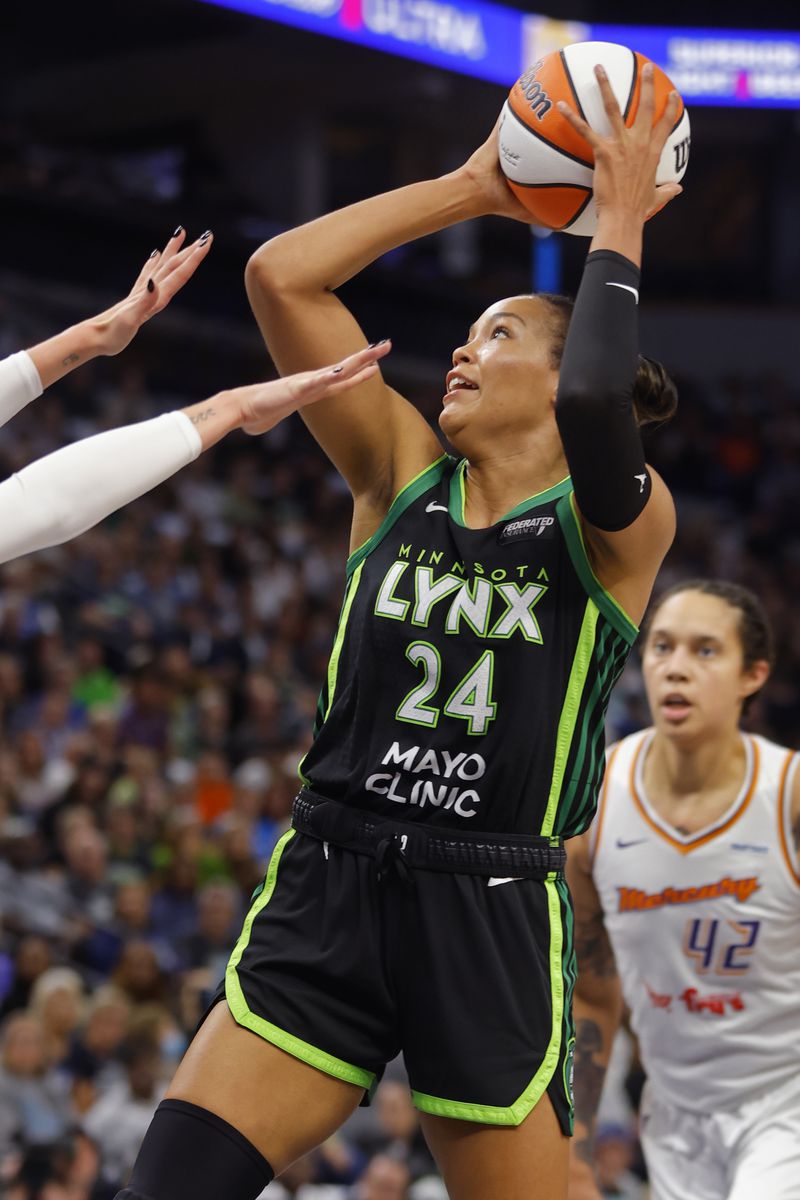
[418, 903]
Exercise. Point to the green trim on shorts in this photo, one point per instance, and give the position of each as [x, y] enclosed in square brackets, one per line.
[265, 1029]
[415, 487]
[573, 534]
[515, 1114]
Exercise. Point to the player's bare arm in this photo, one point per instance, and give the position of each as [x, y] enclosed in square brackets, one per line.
[597, 1009]
[162, 275]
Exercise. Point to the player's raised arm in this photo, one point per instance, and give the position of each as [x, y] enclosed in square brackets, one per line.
[605, 390]
[67, 492]
[597, 1008]
[374, 437]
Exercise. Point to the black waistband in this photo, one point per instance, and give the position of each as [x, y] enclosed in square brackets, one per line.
[464, 852]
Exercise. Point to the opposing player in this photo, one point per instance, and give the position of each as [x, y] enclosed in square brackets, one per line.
[67, 492]
[419, 901]
[687, 900]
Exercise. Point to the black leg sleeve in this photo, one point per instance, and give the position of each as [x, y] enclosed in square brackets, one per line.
[594, 405]
[189, 1153]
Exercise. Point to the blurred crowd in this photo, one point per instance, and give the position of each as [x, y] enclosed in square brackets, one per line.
[158, 683]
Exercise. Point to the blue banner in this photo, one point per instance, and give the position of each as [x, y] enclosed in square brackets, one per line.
[708, 66]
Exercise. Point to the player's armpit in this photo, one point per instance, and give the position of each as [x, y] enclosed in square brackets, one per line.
[627, 562]
[794, 812]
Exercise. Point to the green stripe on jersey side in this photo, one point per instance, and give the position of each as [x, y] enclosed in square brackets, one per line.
[609, 669]
[265, 1029]
[336, 652]
[515, 1114]
[581, 662]
[406, 496]
[458, 496]
[573, 534]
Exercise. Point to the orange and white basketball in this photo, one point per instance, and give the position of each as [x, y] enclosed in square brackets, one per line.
[549, 166]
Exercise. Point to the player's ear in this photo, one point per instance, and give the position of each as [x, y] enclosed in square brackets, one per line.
[754, 677]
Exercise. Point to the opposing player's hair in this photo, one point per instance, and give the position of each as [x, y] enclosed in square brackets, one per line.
[755, 630]
[655, 396]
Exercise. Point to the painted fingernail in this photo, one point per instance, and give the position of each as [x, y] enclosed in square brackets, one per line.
[336, 370]
[178, 230]
[383, 341]
[204, 237]
[600, 70]
[154, 254]
[647, 69]
[151, 287]
[562, 106]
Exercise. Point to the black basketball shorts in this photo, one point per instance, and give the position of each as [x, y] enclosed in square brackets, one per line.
[470, 977]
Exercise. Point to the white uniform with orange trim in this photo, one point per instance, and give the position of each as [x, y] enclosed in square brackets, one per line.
[706, 934]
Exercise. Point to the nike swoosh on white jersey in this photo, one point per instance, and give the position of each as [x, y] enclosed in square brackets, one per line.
[495, 880]
[434, 507]
[626, 287]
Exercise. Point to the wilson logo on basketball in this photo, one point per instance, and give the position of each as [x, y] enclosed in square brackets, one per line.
[538, 100]
[681, 150]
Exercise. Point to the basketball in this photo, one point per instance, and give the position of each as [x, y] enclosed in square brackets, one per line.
[547, 165]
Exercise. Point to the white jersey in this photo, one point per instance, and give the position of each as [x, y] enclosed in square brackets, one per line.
[705, 930]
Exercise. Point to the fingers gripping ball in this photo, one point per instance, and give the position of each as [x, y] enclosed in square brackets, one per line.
[547, 164]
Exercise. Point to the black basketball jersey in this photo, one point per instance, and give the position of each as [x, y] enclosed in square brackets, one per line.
[472, 668]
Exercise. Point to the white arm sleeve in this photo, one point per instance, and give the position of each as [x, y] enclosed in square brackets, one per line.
[19, 384]
[65, 493]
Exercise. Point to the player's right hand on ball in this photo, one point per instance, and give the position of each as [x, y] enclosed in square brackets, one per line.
[493, 195]
[263, 405]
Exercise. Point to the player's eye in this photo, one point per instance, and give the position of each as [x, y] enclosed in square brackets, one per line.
[660, 647]
[500, 329]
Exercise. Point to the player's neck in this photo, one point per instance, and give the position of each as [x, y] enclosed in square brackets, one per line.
[497, 482]
[679, 770]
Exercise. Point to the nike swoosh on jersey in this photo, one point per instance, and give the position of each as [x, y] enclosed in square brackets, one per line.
[626, 287]
[624, 845]
[434, 507]
[495, 880]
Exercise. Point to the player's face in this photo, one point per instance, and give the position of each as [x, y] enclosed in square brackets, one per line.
[693, 666]
[503, 382]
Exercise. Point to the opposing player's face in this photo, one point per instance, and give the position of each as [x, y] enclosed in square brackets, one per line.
[694, 668]
[503, 382]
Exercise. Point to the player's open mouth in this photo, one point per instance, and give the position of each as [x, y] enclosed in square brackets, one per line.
[675, 706]
[456, 382]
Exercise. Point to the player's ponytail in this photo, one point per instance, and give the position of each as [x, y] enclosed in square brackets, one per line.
[655, 397]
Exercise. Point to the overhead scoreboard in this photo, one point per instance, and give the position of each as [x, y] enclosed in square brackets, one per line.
[726, 67]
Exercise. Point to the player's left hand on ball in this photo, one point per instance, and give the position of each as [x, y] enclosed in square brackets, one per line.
[263, 405]
[627, 160]
[163, 274]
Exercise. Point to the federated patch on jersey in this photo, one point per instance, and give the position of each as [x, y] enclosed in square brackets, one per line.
[526, 529]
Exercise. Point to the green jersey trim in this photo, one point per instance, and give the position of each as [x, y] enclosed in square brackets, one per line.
[515, 1114]
[573, 534]
[333, 664]
[265, 1029]
[570, 709]
[406, 496]
[458, 496]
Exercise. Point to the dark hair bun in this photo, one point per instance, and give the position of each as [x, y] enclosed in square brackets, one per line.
[655, 397]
